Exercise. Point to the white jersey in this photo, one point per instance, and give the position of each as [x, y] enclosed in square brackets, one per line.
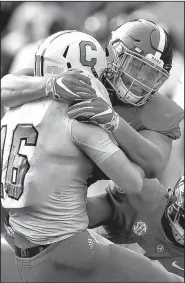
[44, 172]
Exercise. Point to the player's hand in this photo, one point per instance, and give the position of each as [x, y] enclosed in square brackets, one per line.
[116, 198]
[120, 220]
[71, 86]
[96, 111]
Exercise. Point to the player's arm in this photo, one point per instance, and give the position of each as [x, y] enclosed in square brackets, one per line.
[148, 149]
[17, 89]
[22, 87]
[111, 208]
[151, 147]
[96, 143]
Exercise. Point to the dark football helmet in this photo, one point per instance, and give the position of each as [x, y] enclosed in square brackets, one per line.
[175, 212]
[139, 56]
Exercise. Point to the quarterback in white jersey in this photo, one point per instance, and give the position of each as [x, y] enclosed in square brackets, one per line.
[44, 172]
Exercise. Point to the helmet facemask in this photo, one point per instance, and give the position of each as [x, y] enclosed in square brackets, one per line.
[175, 212]
[133, 77]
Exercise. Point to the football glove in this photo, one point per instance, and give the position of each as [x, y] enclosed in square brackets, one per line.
[118, 227]
[71, 86]
[96, 111]
[115, 198]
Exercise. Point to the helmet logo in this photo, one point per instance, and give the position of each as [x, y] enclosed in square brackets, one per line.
[83, 53]
[139, 228]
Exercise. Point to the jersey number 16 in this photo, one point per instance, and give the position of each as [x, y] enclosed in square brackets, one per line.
[16, 166]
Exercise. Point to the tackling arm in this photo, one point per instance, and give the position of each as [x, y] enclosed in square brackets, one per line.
[113, 208]
[148, 149]
[151, 146]
[19, 89]
[72, 85]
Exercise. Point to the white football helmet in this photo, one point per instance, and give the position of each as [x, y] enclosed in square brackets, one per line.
[139, 55]
[69, 49]
[175, 212]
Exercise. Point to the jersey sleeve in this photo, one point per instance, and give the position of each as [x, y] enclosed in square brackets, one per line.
[162, 115]
[93, 140]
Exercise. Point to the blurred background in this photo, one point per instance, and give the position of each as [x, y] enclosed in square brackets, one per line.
[24, 24]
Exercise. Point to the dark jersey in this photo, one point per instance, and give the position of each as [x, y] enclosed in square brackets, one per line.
[159, 114]
[143, 223]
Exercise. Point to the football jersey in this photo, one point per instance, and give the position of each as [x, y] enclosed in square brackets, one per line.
[159, 114]
[44, 172]
[143, 216]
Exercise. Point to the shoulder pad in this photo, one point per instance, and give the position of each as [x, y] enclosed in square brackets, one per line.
[161, 114]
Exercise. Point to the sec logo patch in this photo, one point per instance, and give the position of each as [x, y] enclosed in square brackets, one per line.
[160, 248]
[139, 228]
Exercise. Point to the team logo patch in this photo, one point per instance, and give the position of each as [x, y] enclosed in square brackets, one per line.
[54, 70]
[160, 248]
[139, 228]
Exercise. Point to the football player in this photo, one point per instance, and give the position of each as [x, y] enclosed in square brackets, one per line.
[44, 176]
[139, 55]
[151, 223]
[132, 78]
[140, 59]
